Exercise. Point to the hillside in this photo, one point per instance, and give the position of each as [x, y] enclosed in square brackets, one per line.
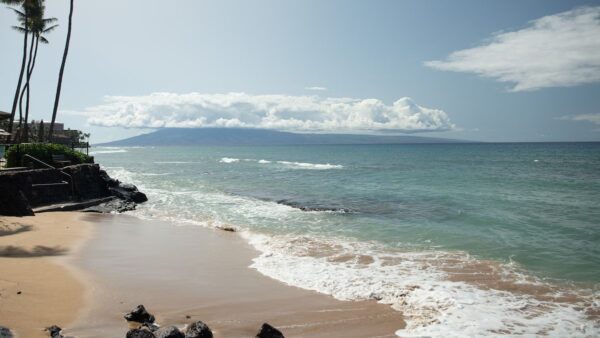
[235, 136]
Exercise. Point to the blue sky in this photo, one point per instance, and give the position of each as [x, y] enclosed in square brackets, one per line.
[479, 70]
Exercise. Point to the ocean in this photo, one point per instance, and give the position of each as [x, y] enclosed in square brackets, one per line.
[464, 239]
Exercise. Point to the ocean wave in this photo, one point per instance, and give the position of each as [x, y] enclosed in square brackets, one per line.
[440, 293]
[109, 151]
[434, 301]
[229, 160]
[310, 166]
[175, 162]
[264, 161]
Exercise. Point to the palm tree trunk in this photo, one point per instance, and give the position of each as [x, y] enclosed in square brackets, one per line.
[60, 74]
[16, 99]
[29, 73]
[25, 134]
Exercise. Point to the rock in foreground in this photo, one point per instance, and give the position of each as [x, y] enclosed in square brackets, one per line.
[267, 331]
[198, 330]
[139, 333]
[169, 332]
[140, 315]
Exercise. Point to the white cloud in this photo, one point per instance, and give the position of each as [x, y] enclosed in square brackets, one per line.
[316, 88]
[558, 50]
[282, 112]
[591, 118]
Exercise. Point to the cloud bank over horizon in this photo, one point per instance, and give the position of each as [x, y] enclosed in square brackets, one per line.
[560, 50]
[280, 112]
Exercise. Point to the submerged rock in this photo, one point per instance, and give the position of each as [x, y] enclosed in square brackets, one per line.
[140, 315]
[198, 330]
[139, 333]
[267, 331]
[168, 332]
[5, 332]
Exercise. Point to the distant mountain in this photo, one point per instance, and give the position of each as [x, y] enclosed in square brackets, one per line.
[236, 136]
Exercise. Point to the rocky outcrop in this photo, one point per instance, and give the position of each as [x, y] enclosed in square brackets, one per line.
[198, 330]
[140, 315]
[139, 333]
[114, 205]
[5, 332]
[20, 191]
[267, 331]
[169, 332]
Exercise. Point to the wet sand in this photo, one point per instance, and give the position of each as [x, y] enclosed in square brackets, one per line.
[188, 271]
[38, 288]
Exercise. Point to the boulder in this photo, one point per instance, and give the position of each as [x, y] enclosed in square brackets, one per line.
[267, 331]
[139, 333]
[54, 331]
[198, 330]
[128, 192]
[168, 332]
[115, 205]
[5, 332]
[140, 315]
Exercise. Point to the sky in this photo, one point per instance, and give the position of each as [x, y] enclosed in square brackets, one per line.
[496, 71]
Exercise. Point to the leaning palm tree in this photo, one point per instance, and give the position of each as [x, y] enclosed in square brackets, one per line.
[60, 74]
[38, 25]
[28, 7]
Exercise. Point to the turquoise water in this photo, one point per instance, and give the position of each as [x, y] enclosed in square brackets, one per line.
[531, 207]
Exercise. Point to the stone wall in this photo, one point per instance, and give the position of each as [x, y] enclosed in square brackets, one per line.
[18, 193]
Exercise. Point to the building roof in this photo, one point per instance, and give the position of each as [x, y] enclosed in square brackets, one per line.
[4, 115]
[3, 133]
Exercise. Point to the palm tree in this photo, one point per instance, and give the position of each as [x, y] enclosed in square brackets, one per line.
[27, 6]
[38, 25]
[60, 74]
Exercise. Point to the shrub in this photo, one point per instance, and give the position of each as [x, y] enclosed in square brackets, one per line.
[43, 152]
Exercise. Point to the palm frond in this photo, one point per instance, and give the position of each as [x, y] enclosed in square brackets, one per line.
[20, 29]
[49, 29]
[43, 40]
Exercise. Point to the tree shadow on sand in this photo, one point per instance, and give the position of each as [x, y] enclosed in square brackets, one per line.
[11, 229]
[37, 251]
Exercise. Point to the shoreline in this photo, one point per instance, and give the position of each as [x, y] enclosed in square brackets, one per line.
[106, 264]
[39, 286]
[187, 273]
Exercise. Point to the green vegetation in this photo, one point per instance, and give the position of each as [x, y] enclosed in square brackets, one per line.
[43, 152]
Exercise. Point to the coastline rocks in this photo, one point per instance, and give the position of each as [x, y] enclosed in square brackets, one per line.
[54, 331]
[5, 332]
[115, 205]
[267, 331]
[198, 330]
[168, 332]
[128, 192]
[139, 333]
[140, 315]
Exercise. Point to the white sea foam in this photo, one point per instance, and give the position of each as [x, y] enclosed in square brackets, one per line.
[310, 166]
[264, 161]
[411, 282]
[108, 151]
[174, 162]
[229, 160]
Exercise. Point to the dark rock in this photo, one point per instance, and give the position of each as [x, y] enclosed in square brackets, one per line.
[140, 315]
[198, 330]
[128, 192]
[5, 332]
[267, 331]
[227, 228]
[54, 331]
[20, 191]
[139, 333]
[115, 205]
[169, 332]
[150, 326]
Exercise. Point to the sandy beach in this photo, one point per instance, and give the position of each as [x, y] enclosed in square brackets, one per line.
[180, 273]
[38, 285]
